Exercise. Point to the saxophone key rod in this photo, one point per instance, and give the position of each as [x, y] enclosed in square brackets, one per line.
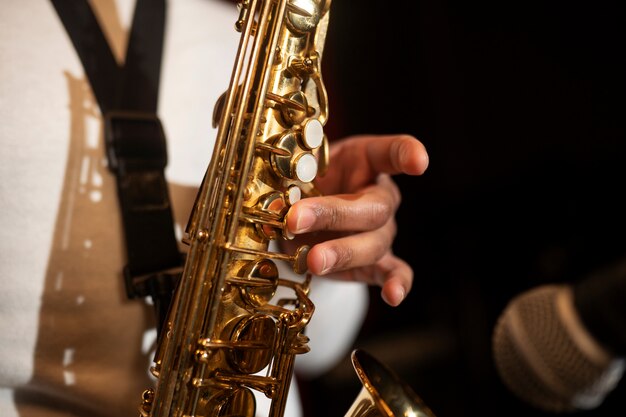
[298, 259]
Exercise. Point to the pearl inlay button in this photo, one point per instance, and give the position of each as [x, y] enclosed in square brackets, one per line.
[313, 134]
[294, 194]
[306, 167]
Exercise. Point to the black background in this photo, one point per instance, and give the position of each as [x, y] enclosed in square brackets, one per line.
[521, 107]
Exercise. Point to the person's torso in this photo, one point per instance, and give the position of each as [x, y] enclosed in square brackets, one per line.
[68, 329]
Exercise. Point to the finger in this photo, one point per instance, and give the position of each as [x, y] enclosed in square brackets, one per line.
[397, 154]
[368, 210]
[398, 279]
[392, 154]
[392, 274]
[356, 161]
[354, 251]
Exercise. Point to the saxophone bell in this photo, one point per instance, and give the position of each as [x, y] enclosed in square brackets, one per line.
[383, 393]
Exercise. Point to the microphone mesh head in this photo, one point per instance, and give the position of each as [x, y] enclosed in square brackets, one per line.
[545, 355]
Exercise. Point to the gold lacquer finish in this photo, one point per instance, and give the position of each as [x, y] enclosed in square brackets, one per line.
[383, 394]
[225, 337]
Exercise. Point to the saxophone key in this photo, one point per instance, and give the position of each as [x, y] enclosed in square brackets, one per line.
[313, 134]
[272, 149]
[268, 215]
[293, 8]
[305, 167]
[297, 260]
[303, 16]
[293, 107]
[258, 282]
[301, 164]
[293, 195]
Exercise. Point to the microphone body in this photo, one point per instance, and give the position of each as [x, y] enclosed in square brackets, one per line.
[548, 357]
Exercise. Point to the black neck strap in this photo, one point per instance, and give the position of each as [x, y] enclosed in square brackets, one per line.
[135, 140]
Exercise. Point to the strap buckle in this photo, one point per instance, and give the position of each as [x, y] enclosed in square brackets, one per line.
[137, 155]
[135, 141]
[157, 284]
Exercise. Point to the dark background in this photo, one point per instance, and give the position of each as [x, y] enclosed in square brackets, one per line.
[521, 107]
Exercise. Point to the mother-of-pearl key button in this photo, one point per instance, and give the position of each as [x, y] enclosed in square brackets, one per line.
[294, 194]
[313, 134]
[306, 167]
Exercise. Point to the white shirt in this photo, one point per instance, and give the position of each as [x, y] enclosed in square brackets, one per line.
[69, 335]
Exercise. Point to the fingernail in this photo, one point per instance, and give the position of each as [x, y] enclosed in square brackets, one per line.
[400, 294]
[306, 219]
[395, 298]
[328, 262]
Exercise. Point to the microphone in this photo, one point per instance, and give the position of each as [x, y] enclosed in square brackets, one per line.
[560, 348]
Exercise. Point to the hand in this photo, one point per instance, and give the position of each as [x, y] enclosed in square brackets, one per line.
[352, 227]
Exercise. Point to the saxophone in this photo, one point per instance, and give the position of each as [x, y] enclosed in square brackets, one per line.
[224, 340]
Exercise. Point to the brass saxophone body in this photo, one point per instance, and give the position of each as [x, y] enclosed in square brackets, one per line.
[223, 338]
